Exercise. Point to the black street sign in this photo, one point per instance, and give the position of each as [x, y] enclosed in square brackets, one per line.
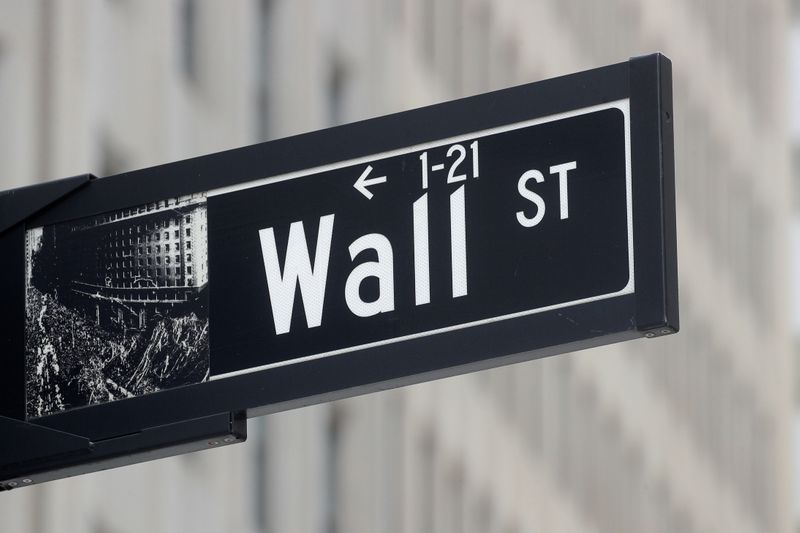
[151, 313]
[448, 235]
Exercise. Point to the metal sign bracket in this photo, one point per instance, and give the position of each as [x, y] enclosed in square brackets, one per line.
[35, 454]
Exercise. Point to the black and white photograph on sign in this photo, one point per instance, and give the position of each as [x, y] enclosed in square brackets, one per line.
[117, 305]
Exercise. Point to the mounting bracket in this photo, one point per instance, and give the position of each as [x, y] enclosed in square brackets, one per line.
[34, 454]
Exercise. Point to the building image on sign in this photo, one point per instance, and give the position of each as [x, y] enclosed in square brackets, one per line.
[148, 258]
[117, 305]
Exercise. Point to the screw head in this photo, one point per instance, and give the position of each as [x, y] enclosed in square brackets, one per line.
[228, 439]
[26, 481]
[649, 334]
[213, 443]
[12, 483]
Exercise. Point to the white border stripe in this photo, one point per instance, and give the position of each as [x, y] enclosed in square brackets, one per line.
[622, 105]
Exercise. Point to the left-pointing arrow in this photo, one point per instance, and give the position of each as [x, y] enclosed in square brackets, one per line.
[365, 181]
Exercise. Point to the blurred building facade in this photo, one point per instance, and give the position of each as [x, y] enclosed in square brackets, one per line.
[690, 433]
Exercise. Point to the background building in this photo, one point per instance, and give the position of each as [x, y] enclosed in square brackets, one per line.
[691, 433]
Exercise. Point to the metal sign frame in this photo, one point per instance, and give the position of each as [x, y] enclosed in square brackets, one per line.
[213, 413]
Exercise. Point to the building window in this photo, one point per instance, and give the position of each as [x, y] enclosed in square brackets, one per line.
[263, 67]
[335, 91]
[177, 258]
[188, 270]
[188, 232]
[189, 33]
[166, 248]
[427, 480]
[333, 471]
[113, 160]
[429, 30]
[177, 234]
[166, 235]
[188, 245]
[188, 258]
[395, 11]
[188, 219]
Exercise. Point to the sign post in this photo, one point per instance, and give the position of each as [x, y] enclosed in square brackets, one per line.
[167, 305]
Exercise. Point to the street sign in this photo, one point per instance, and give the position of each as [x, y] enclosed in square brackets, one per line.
[151, 313]
[447, 235]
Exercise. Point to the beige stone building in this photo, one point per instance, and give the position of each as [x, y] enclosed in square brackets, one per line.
[685, 434]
